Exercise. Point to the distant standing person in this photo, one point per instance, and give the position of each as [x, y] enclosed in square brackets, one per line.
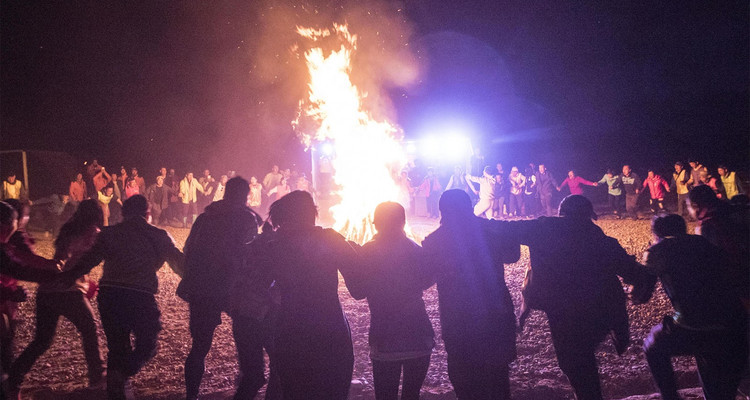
[256, 193]
[501, 192]
[574, 183]
[132, 251]
[400, 335]
[614, 190]
[272, 178]
[655, 183]
[729, 181]
[188, 193]
[77, 190]
[546, 185]
[14, 189]
[631, 183]
[432, 188]
[221, 187]
[458, 181]
[139, 181]
[102, 179]
[486, 192]
[104, 197]
[695, 173]
[132, 188]
[680, 178]
[158, 199]
[517, 184]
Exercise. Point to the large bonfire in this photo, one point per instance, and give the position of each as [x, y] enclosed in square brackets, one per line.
[367, 154]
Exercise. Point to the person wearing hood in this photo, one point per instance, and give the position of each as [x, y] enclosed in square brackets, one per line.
[214, 253]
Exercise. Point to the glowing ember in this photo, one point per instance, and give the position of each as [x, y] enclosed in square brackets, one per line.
[368, 153]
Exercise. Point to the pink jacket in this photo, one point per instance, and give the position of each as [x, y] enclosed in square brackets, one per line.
[575, 184]
[655, 186]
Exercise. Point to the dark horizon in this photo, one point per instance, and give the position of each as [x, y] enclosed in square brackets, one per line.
[587, 86]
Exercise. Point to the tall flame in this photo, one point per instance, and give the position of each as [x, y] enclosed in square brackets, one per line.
[367, 152]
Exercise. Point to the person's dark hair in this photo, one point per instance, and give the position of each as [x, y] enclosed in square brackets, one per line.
[703, 196]
[680, 164]
[740, 200]
[296, 208]
[18, 206]
[665, 225]
[8, 214]
[577, 206]
[11, 173]
[87, 214]
[651, 170]
[135, 206]
[455, 205]
[723, 166]
[610, 171]
[237, 190]
[389, 217]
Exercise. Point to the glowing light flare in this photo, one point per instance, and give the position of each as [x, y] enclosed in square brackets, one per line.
[365, 152]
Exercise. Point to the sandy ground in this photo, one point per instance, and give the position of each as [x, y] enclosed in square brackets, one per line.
[60, 373]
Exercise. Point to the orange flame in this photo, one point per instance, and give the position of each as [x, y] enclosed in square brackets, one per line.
[367, 152]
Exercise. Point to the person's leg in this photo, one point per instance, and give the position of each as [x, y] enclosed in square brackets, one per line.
[117, 330]
[204, 318]
[661, 204]
[664, 342]
[482, 206]
[146, 325]
[462, 375]
[185, 211]
[248, 338]
[722, 362]
[575, 344]
[415, 371]
[77, 309]
[501, 206]
[155, 214]
[193, 212]
[386, 376]
[47, 316]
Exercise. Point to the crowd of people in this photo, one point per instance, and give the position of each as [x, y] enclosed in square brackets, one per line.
[277, 279]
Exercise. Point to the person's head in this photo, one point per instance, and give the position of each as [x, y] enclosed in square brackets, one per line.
[514, 171]
[135, 206]
[159, 181]
[704, 176]
[626, 170]
[163, 171]
[95, 162]
[206, 173]
[132, 183]
[108, 190]
[722, 170]
[499, 167]
[224, 179]
[89, 213]
[123, 171]
[455, 207]
[114, 176]
[667, 225]
[22, 212]
[487, 171]
[701, 199]
[678, 166]
[237, 190]
[275, 169]
[578, 207]
[296, 209]
[571, 174]
[12, 177]
[456, 170]
[542, 168]
[189, 176]
[253, 180]
[171, 172]
[282, 181]
[79, 177]
[740, 200]
[694, 164]
[389, 218]
[134, 171]
[8, 221]
[651, 173]
[610, 173]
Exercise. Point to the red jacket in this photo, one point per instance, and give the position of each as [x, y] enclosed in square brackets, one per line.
[654, 186]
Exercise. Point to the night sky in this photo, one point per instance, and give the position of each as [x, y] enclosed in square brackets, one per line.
[188, 84]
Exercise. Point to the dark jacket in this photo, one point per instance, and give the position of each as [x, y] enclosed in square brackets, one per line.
[476, 311]
[697, 278]
[574, 272]
[133, 251]
[152, 194]
[216, 248]
[545, 183]
[391, 279]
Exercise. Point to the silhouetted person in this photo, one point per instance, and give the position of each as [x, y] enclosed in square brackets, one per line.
[133, 251]
[573, 279]
[709, 322]
[477, 321]
[214, 254]
[312, 344]
[726, 226]
[54, 300]
[391, 279]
